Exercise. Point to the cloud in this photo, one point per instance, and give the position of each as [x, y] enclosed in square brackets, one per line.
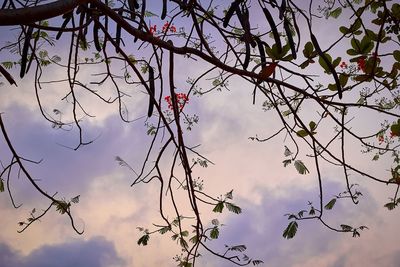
[260, 228]
[96, 252]
[65, 170]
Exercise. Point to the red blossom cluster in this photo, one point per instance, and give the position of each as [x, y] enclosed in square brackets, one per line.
[166, 27]
[153, 29]
[181, 98]
[169, 27]
[381, 137]
[361, 64]
[343, 65]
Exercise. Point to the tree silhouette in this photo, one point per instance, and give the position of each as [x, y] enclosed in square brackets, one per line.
[133, 46]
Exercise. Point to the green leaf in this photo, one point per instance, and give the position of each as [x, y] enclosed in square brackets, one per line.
[150, 14]
[287, 152]
[312, 211]
[396, 10]
[239, 248]
[366, 45]
[174, 237]
[290, 230]
[395, 128]
[219, 207]
[346, 227]
[143, 240]
[304, 65]
[7, 64]
[193, 239]
[336, 62]
[343, 30]
[300, 167]
[302, 133]
[343, 79]
[390, 205]
[323, 64]
[229, 195]
[1, 185]
[257, 262]
[352, 52]
[356, 45]
[184, 233]
[312, 125]
[214, 233]
[233, 208]
[164, 229]
[183, 243]
[274, 54]
[62, 206]
[396, 55]
[176, 221]
[336, 12]
[330, 204]
[185, 264]
[215, 222]
[301, 213]
[356, 233]
[75, 199]
[286, 162]
[376, 157]
[308, 49]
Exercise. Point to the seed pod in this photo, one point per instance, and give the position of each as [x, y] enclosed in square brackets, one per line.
[290, 38]
[296, 27]
[35, 42]
[164, 10]
[282, 9]
[261, 50]
[7, 75]
[82, 32]
[96, 36]
[67, 17]
[141, 21]
[247, 56]
[24, 56]
[328, 63]
[244, 21]
[273, 3]
[229, 13]
[118, 34]
[133, 4]
[152, 92]
[275, 33]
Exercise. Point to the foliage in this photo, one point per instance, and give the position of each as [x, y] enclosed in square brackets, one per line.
[293, 71]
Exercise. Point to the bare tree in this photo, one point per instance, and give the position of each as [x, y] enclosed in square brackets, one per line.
[271, 46]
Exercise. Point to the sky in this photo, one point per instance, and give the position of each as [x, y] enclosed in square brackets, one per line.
[110, 210]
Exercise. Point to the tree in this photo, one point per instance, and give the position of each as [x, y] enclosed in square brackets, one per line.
[272, 47]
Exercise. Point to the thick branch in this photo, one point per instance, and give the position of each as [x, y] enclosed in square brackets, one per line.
[28, 15]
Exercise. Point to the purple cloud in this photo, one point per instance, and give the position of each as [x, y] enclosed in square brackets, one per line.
[96, 252]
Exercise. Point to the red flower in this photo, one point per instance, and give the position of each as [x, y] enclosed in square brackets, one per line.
[153, 29]
[165, 27]
[343, 65]
[361, 64]
[169, 27]
[381, 139]
[181, 99]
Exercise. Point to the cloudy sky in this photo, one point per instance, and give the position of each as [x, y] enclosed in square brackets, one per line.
[110, 210]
